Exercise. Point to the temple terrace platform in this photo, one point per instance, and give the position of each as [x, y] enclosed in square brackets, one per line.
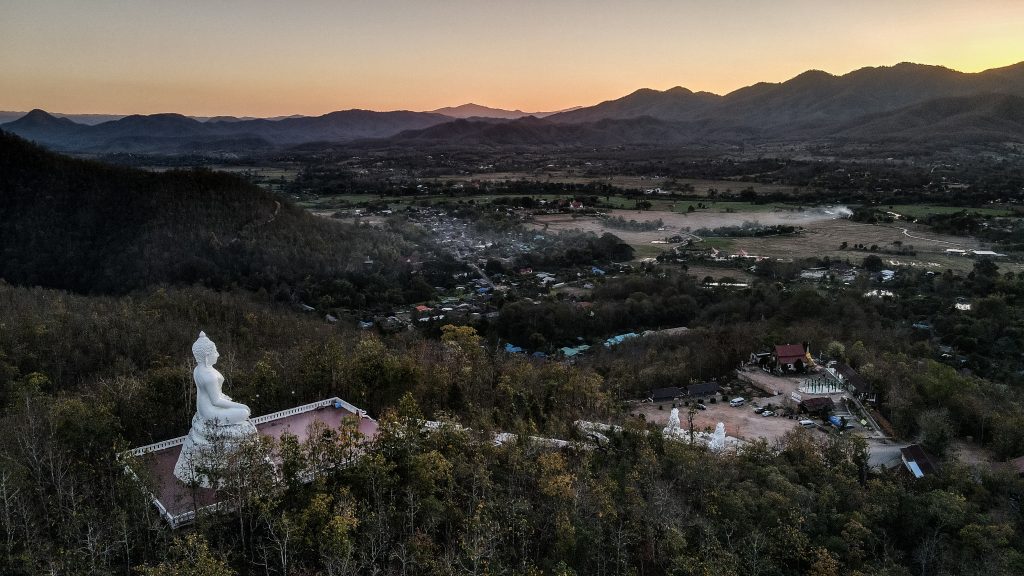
[178, 503]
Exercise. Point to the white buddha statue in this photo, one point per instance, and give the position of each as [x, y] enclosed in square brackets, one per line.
[672, 428]
[717, 441]
[220, 423]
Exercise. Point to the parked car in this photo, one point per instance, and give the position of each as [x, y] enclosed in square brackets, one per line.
[767, 413]
[736, 402]
[701, 406]
[807, 423]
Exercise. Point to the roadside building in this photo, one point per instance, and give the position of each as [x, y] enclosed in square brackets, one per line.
[703, 390]
[791, 357]
[917, 461]
[761, 359]
[819, 405]
[855, 383]
[665, 394]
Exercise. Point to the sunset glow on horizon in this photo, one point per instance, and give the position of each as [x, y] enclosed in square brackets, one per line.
[263, 58]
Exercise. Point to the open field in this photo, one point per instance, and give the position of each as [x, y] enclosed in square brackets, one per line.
[822, 236]
[641, 251]
[675, 221]
[658, 204]
[923, 210]
[700, 272]
[700, 186]
[266, 172]
[335, 201]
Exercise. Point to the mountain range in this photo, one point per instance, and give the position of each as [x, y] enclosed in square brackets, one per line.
[901, 103]
[477, 111]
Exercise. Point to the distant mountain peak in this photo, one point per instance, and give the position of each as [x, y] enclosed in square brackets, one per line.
[40, 119]
[678, 90]
[813, 76]
[473, 110]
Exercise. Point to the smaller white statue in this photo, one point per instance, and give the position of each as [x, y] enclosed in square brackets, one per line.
[673, 423]
[220, 423]
[717, 442]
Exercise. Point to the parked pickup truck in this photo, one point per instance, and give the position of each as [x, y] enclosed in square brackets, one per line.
[839, 423]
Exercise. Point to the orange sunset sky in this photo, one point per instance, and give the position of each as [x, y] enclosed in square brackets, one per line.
[265, 58]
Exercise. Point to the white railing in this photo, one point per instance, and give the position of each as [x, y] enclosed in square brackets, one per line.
[156, 447]
[164, 444]
[297, 410]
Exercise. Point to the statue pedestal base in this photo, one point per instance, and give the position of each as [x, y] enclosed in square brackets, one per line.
[207, 448]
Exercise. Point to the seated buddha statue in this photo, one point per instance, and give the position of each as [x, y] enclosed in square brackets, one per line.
[211, 402]
[219, 424]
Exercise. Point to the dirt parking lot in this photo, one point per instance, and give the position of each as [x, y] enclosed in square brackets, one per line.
[739, 422]
[742, 422]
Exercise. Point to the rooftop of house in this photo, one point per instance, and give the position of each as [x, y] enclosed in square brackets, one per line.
[702, 389]
[666, 393]
[819, 403]
[918, 461]
[851, 376]
[789, 351]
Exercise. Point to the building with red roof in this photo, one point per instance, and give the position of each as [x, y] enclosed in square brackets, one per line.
[790, 357]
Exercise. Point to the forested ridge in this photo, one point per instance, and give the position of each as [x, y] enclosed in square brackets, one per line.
[94, 228]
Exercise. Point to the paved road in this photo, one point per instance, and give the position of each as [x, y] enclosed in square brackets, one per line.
[885, 454]
[482, 275]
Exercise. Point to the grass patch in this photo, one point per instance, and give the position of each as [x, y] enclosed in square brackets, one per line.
[641, 251]
[925, 210]
[716, 242]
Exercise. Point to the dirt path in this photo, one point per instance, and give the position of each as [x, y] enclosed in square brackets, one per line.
[909, 235]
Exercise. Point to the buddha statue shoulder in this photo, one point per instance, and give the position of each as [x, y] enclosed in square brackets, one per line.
[212, 404]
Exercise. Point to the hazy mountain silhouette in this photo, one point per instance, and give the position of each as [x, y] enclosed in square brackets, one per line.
[673, 104]
[477, 111]
[88, 119]
[814, 104]
[985, 118]
[809, 98]
[177, 133]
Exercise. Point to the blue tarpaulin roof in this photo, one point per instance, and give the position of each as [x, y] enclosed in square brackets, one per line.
[619, 339]
[570, 352]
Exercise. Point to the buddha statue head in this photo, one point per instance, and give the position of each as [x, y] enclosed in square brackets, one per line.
[205, 351]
